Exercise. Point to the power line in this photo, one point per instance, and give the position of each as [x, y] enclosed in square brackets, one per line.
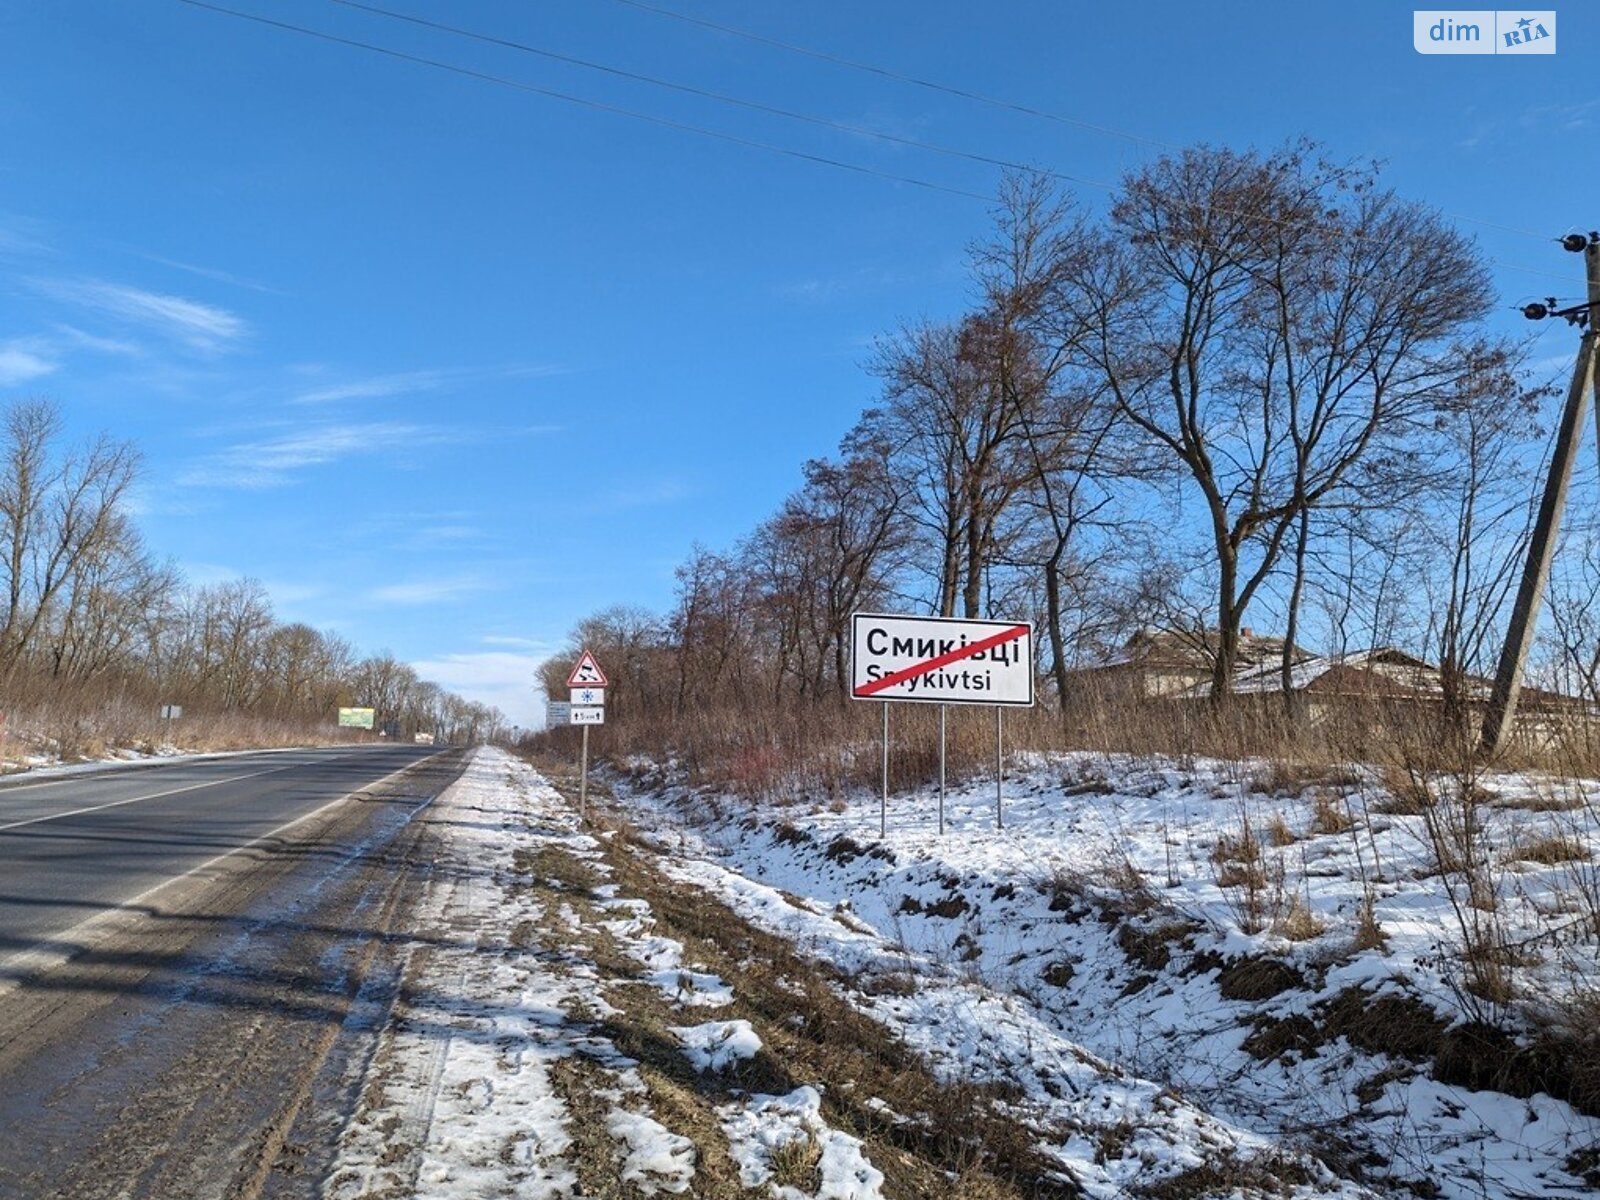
[897, 76]
[719, 97]
[701, 131]
[789, 114]
[551, 93]
[965, 93]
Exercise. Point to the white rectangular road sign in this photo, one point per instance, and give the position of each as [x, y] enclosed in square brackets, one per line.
[940, 660]
[588, 695]
[588, 714]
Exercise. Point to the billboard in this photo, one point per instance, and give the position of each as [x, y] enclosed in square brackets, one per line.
[356, 718]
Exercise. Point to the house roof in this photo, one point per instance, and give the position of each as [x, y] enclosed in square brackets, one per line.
[1383, 672]
[1190, 650]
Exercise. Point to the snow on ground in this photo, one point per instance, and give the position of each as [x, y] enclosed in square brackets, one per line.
[1125, 1132]
[462, 1096]
[768, 1132]
[717, 1045]
[1122, 907]
[39, 767]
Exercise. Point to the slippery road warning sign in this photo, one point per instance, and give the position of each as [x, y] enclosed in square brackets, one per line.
[940, 660]
[586, 673]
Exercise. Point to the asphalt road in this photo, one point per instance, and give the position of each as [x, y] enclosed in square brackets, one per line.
[74, 847]
[196, 961]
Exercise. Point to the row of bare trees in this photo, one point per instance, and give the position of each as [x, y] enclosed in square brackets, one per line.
[91, 616]
[1257, 386]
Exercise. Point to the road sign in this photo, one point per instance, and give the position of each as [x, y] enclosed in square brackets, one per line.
[171, 712]
[940, 660]
[557, 712]
[588, 714]
[586, 673]
[589, 695]
[356, 718]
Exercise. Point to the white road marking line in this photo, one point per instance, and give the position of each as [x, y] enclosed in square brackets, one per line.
[78, 812]
[112, 770]
[32, 961]
[193, 787]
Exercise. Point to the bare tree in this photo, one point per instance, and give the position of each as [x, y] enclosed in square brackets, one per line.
[59, 510]
[1272, 323]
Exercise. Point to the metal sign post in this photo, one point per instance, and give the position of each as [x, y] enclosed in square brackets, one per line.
[943, 661]
[583, 778]
[943, 709]
[999, 766]
[587, 707]
[883, 799]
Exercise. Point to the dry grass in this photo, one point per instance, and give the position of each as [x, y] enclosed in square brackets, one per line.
[1330, 814]
[1368, 935]
[71, 734]
[780, 747]
[1550, 850]
[1297, 923]
[1279, 833]
[797, 1162]
[958, 1141]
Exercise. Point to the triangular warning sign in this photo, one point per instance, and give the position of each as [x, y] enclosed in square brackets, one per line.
[587, 673]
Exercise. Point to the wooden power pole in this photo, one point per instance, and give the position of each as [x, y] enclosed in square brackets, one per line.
[1501, 713]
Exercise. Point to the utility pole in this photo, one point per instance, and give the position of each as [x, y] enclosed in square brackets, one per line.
[1500, 715]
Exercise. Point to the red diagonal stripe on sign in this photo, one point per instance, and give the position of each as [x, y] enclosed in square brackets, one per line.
[944, 660]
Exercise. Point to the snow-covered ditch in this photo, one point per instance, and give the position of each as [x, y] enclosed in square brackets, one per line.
[1295, 984]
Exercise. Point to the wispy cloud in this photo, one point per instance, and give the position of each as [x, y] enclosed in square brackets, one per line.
[525, 643]
[403, 383]
[202, 327]
[74, 336]
[273, 461]
[23, 359]
[1563, 116]
[213, 273]
[426, 591]
[821, 289]
[429, 536]
[22, 235]
[644, 495]
[408, 383]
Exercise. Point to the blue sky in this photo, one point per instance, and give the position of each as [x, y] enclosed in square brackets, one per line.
[448, 365]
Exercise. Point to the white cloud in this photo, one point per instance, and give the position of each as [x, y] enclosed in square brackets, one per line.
[22, 235]
[272, 462]
[504, 679]
[21, 361]
[430, 537]
[408, 383]
[101, 345]
[403, 383]
[425, 591]
[220, 276]
[645, 495]
[202, 327]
